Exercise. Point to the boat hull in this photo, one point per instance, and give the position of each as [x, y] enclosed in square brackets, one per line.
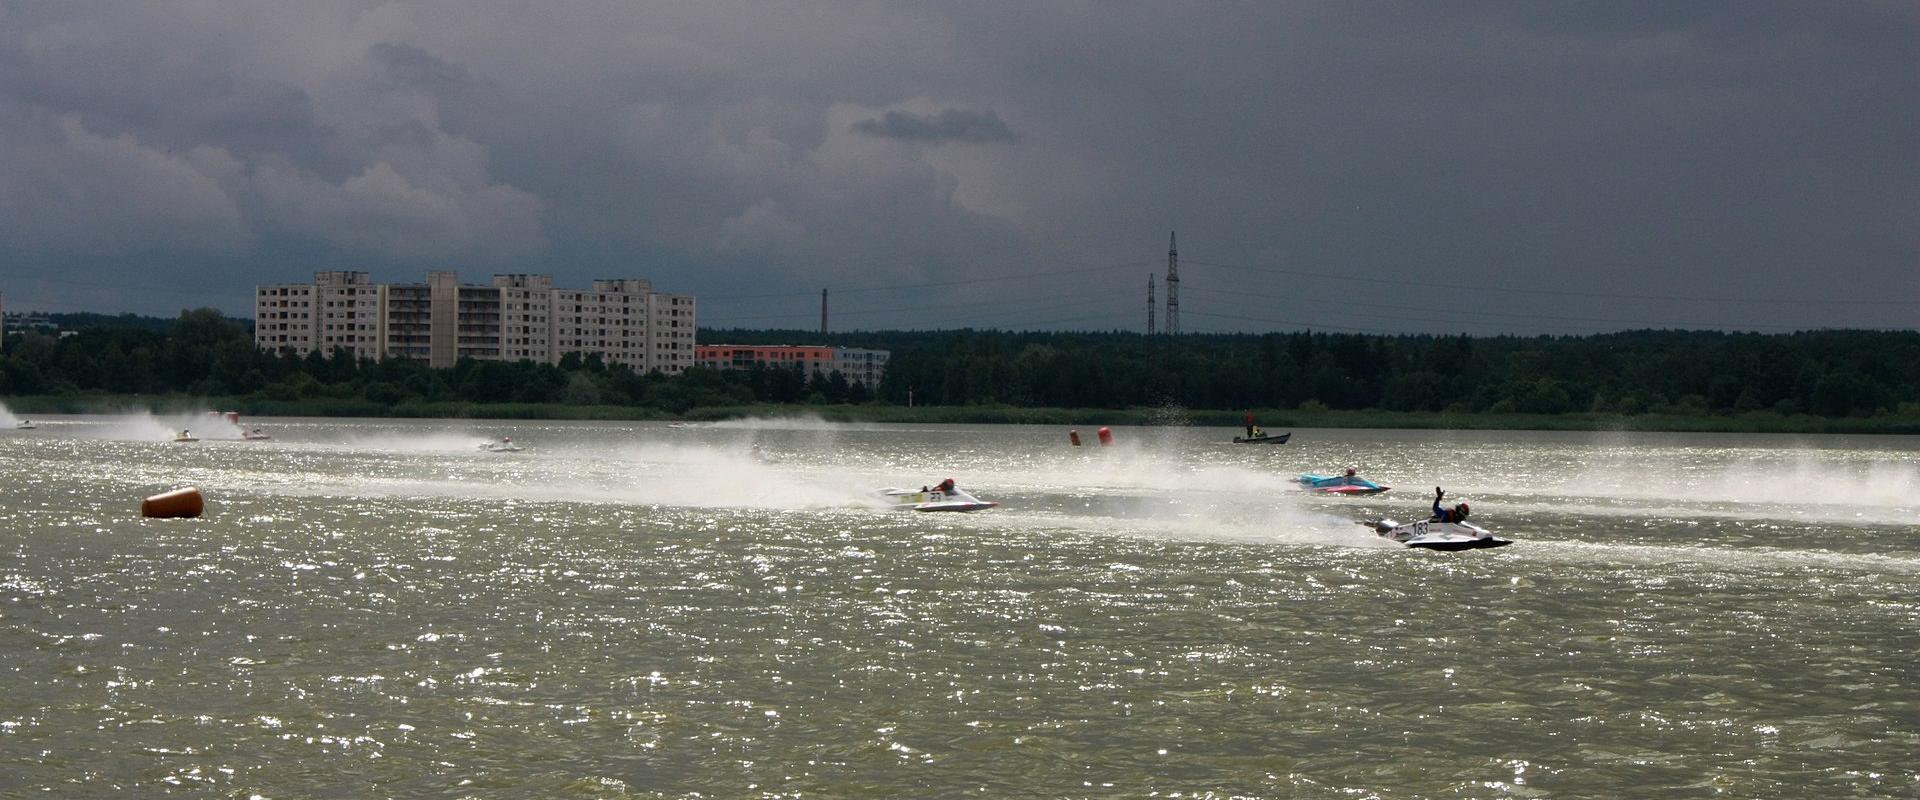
[1442, 536]
[932, 501]
[1339, 484]
[954, 506]
[1281, 439]
[1353, 490]
[1453, 544]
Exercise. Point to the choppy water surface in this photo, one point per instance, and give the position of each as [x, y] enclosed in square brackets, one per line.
[626, 610]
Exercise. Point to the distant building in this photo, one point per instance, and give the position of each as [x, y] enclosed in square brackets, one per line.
[23, 321]
[858, 365]
[861, 365]
[518, 317]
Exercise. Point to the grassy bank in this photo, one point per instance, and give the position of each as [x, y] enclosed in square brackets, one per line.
[1272, 419]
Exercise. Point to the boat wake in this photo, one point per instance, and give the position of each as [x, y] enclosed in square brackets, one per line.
[144, 426]
[1754, 559]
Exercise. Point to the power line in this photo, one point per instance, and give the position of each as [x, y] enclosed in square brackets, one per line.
[1301, 324]
[905, 286]
[37, 279]
[1506, 315]
[1068, 320]
[1556, 292]
[1053, 301]
[970, 322]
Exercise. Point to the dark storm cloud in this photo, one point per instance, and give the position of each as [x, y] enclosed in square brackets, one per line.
[412, 67]
[1382, 155]
[948, 126]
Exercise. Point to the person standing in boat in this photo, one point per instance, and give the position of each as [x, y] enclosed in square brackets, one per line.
[1456, 514]
[1248, 419]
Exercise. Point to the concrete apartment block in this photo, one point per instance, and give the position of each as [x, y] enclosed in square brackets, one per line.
[517, 317]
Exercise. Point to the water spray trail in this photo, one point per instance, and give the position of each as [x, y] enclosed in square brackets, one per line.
[145, 426]
[426, 441]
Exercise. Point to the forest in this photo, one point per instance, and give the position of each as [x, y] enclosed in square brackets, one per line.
[1829, 373]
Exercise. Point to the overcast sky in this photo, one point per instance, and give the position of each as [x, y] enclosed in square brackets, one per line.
[1432, 166]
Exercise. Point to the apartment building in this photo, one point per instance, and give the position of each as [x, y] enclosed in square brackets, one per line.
[858, 365]
[517, 317]
[861, 365]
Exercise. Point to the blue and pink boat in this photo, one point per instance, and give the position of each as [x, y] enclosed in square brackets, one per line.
[1340, 484]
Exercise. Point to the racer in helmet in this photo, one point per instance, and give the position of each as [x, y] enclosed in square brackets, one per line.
[1458, 513]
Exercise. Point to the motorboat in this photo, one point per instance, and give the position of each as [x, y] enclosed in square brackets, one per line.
[185, 436]
[1429, 535]
[24, 425]
[1264, 438]
[1339, 484]
[934, 500]
[255, 435]
[505, 445]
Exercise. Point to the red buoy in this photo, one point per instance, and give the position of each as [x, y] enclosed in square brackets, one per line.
[1106, 436]
[178, 503]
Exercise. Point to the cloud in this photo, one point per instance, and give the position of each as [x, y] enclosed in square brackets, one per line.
[761, 228]
[385, 214]
[230, 152]
[1633, 147]
[412, 67]
[952, 125]
[64, 187]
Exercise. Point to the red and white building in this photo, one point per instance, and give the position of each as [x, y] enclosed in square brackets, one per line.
[857, 364]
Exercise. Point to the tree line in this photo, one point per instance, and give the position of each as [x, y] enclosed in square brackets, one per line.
[1834, 373]
[1829, 373]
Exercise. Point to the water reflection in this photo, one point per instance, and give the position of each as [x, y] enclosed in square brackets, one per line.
[624, 610]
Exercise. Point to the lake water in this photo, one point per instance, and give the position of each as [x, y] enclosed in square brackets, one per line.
[377, 608]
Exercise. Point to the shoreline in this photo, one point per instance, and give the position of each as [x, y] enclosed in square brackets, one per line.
[1272, 419]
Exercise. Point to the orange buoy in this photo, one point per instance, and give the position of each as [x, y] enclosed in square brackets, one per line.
[1106, 436]
[178, 503]
[1074, 436]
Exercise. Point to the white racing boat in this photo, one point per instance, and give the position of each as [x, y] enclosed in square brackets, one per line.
[24, 425]
[934, 500]
[1437, 535]
[505, 445]
[185, 436]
